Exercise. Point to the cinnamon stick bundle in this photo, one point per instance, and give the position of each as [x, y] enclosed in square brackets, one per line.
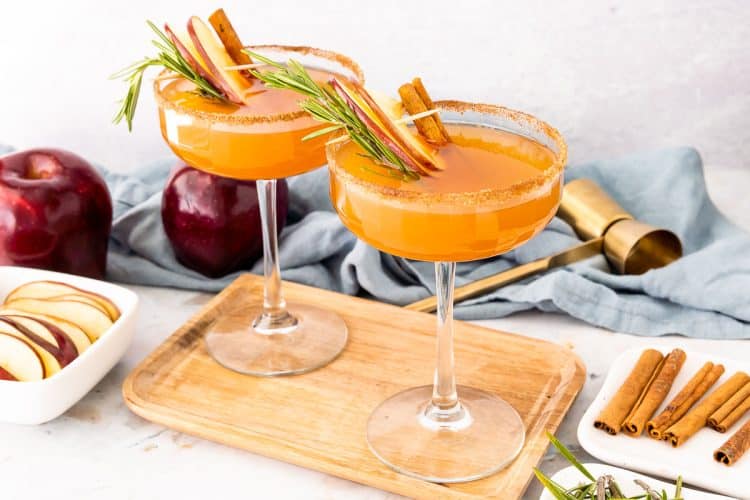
[735, 447]
[697, 418]
[731, 411]
[629, 393]
[416, 100]
[699, 385]
[655, 394]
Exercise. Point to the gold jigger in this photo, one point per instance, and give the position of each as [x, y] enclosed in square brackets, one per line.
[631, 246]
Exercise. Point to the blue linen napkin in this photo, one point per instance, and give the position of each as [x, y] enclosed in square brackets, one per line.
[704, 294]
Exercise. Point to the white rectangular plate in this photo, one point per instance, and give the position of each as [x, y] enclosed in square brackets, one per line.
[571, 477]
[693, 460]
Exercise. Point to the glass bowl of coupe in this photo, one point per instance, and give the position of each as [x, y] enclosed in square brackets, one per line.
[218, 117]
[493, 181]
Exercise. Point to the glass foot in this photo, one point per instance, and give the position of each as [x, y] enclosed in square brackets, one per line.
[238, 341]
[482, 439]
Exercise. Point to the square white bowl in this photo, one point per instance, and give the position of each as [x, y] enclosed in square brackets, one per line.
[41, 401]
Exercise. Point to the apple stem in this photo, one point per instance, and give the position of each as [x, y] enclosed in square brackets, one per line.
[275, 318]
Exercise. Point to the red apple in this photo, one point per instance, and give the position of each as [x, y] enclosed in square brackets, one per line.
[213, 222]
[55, 212]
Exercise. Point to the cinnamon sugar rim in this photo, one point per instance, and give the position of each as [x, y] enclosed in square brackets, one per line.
[515, 193]
[329, 55]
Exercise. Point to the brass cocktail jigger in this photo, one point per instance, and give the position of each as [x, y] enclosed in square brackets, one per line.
[631, 246]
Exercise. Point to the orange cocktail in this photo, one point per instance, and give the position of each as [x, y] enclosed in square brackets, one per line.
[261, 139]
[495, 182]
[491, 197]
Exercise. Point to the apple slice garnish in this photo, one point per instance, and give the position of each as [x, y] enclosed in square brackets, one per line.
[414, 152]
[18, 358]
[217, 59]
[87, 317]
[48, 353]
[27, 319]
[187, 49]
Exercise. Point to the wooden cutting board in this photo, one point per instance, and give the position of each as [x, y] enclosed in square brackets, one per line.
[317, 420]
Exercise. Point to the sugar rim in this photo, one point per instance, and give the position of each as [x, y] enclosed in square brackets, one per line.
[340, 59]
[515, 193]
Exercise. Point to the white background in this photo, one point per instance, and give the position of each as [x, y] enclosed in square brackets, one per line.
[614, 77]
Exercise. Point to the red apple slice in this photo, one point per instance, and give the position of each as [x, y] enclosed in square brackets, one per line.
[187, 49]
[412, 151]
[46, 351]
[216, 58]
[47, 331]
[79, 338]
[19, 359]
[56, 289]
[6, 375]
[88, 318]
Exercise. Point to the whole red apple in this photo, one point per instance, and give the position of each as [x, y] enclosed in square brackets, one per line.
[55, 212]
[213, 222]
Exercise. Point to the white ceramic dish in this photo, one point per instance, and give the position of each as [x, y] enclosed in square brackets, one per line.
[693, 459]
[570, 477]
[39, 402]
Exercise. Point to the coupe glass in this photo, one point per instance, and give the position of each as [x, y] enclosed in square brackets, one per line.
[275, 338]
[443, 432]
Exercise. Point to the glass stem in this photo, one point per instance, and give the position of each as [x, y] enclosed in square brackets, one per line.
[275, 318]
[444, 408]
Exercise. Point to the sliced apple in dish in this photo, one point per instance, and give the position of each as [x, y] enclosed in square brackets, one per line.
[90, 319]
[55, 289]
[214, 55]
[37, 322]
[48, 353]
[47, 331]
[19, 359]
[6, 375]
[411, 149]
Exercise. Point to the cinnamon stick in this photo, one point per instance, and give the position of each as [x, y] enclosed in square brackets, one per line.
[731, 411]
[629, 393]
[699, 385]
[655, 394]
[697, 418]
[415, 102]
[229, 37]
[422, 91]
[735, 447]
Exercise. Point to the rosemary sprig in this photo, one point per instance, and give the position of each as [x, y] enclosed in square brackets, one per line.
[325, 105]
[167, 57]
[601, 488]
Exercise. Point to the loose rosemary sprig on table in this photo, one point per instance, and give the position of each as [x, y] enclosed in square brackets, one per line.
[325, 105]
[168, 57]
[601, 488]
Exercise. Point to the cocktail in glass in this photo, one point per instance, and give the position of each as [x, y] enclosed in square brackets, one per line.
[501, 184]
[260, 140]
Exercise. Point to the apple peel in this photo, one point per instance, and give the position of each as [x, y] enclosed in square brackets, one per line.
[414, 153]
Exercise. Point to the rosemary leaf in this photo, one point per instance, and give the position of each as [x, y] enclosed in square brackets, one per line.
[325, 105]
[168, 57]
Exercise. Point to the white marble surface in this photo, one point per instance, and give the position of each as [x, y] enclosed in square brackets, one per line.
[100, 450]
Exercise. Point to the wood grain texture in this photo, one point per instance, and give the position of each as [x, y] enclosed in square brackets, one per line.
[318, 420]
